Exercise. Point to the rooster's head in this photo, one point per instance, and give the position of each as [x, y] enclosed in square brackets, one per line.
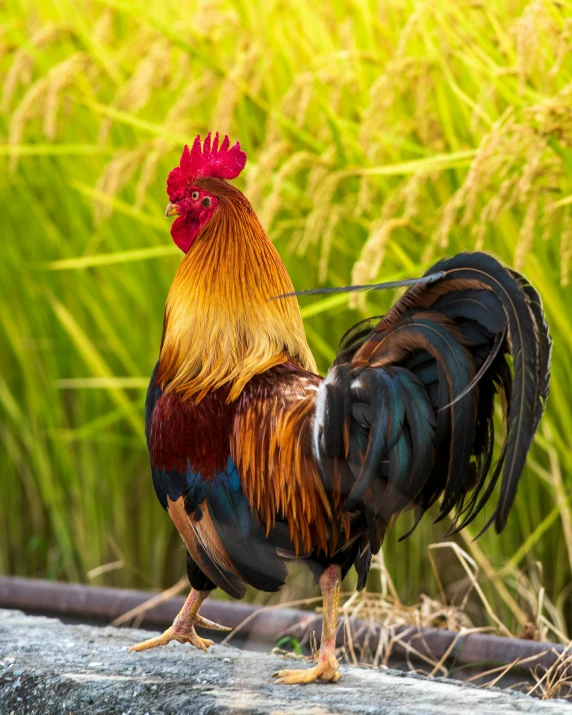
[190, 197]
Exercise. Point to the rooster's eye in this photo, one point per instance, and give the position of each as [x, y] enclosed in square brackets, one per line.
[195, 195]
[206, 202]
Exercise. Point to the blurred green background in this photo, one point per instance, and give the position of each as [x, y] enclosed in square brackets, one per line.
[380, 135]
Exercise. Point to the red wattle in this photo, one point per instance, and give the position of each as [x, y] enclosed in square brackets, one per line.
[184, 232]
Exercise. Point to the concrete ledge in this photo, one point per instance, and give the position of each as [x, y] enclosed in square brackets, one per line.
[98, 605]
[48, 667]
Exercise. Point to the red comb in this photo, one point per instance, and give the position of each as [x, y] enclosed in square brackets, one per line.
[224, 162]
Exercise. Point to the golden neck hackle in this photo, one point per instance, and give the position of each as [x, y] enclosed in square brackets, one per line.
[220, 328]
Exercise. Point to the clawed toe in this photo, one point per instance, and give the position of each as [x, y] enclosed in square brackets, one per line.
[163, 639]
[201, 622]
[201, 643]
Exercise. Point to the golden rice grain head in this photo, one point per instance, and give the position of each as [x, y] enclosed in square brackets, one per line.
[412, 193]
[505, 198]
[427, 124]
[20, 71]
[150, 72]
[304, 97]
[548, 41]
[268, 159]
[547, 222]
[149, 170]
[180, 116]
[180, 70]
[322, 196]
[213, 20]
[526, 234]
[319, 172]
[382, 95]
[327, 240]
[563, 45]
[393, 202]
[364, 196]
[117, 174]
[368, 265]
[501, 201]
[414, 25]
[60, 77]
[440, 237]
[478, 177]
[492, 156]
[553, 115]
[290, 101]
[103, 26]
[532, 169]
[231, 87]
[527, 35]
[27, 109]
[297, 162]
[486, 96]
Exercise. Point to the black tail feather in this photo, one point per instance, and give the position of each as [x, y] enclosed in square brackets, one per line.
[417, 388]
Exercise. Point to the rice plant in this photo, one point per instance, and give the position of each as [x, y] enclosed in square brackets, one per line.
[381, 135]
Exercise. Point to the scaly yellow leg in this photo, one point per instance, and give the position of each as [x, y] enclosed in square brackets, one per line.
[327, 667]
[183, 628]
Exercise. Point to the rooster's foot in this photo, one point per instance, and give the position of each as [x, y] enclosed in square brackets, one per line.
[326, 669]
[183, 628]
[189, 635]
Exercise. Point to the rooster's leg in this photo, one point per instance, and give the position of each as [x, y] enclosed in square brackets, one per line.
[183, 628]
[327, 667]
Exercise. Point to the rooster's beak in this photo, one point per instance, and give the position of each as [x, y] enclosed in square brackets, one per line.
[171, 210]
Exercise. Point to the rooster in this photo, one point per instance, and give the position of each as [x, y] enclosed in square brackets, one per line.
[258, 460]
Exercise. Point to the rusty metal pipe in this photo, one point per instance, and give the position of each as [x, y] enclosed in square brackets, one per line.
[105, 604]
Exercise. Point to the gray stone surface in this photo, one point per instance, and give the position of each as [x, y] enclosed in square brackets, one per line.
[47, 667]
